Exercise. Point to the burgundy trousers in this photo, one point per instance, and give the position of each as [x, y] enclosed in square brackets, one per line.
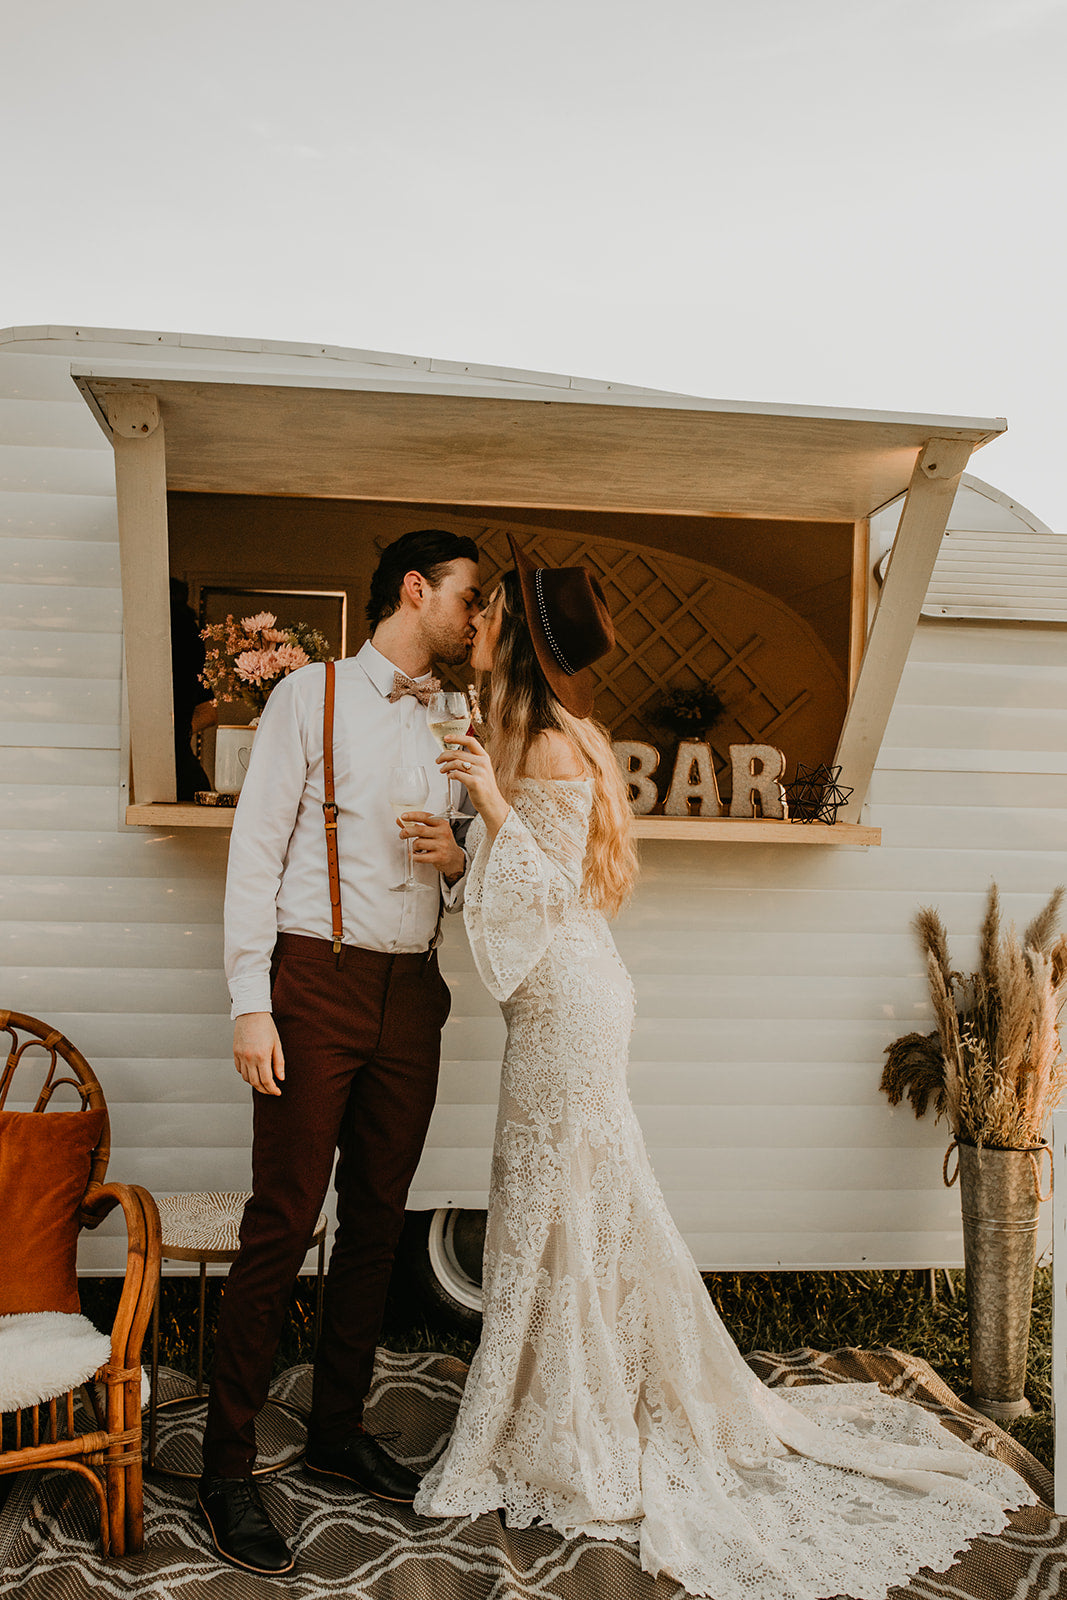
[361, 1035]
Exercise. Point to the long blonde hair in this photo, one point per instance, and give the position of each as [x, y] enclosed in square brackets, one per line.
[518, 707]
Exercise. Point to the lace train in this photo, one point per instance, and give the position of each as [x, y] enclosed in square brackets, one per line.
[606, 1397]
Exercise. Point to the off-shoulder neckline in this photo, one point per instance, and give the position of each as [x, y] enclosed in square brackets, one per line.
[576, 783]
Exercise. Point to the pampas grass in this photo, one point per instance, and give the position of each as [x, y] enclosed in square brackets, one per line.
[996, 1069]
[915, 1067]
[1041, 934]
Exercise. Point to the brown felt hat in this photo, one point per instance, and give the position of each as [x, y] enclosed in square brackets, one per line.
[570, 626]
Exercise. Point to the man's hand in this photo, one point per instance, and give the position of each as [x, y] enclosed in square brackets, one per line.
[257, 1052]
[434, 844]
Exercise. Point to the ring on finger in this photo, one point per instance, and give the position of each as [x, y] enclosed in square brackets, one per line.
[465, 765]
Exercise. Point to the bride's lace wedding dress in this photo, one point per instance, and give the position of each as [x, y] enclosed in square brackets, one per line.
[606, 1397]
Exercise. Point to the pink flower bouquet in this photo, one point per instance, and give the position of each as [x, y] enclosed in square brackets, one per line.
[244, 660]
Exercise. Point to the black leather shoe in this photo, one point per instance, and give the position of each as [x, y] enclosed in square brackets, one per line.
[239, 1526]
[360, 1459]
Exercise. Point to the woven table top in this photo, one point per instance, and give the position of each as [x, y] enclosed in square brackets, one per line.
[204, 1227]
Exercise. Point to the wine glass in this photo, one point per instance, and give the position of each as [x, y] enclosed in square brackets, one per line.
[408, 788]
[448, 714]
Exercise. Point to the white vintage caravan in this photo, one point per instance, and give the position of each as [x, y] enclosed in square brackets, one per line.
[741, 545]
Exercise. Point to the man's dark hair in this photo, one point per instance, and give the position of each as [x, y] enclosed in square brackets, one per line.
[428, 551]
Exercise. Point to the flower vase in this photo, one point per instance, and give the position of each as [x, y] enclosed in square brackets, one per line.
[233, 748]
[999, 1200]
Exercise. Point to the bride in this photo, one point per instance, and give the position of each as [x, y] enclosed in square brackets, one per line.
[606, 1397]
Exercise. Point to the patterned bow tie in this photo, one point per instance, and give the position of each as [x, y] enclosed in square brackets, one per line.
[403, 685]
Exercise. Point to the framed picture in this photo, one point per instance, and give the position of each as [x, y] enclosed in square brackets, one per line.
[325, 609]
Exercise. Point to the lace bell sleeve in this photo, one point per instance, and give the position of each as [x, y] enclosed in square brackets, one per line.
[521, 886]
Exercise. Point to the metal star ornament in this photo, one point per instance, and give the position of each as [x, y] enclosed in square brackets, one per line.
[815, 795]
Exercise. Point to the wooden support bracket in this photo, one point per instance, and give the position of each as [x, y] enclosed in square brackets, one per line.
[141, 490]
[944, 458]
[132, 415]
[931, 492]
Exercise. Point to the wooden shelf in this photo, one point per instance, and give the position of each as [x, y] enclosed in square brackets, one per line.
[161, 815]
[714, 830]
[740, 830]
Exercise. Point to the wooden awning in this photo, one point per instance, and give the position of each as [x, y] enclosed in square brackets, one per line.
[510, 444]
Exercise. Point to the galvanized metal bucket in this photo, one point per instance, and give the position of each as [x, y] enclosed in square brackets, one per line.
[999, 1200]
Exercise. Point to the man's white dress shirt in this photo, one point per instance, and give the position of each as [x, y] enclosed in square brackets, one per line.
[277, 880]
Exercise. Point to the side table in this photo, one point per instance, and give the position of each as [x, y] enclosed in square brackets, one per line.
[204, 1228]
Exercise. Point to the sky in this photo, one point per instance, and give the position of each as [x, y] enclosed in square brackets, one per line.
[826, 202]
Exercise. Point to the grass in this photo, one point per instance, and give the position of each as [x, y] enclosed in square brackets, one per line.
[762, 1310]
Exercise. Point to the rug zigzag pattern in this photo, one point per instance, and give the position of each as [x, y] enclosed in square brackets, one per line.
[351, 1545]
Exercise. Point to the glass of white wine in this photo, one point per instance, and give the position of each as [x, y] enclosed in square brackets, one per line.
[448, 714]
[408, 789]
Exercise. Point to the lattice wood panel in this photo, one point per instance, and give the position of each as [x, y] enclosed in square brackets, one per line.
[679, 623]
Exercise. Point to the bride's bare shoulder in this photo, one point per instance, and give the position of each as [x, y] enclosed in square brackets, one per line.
[552, 755]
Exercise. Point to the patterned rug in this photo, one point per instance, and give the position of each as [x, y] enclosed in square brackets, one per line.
[352, 1546]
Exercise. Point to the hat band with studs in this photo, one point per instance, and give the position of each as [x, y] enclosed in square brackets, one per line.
[543, 613]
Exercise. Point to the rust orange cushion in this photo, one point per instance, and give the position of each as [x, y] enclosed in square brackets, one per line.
[44, 1167]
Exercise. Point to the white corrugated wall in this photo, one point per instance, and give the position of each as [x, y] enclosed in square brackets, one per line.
[769, 979]
[111, 933]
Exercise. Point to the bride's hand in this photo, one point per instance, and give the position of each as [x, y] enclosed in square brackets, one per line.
[470, 765]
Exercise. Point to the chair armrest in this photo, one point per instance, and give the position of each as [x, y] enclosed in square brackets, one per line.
[142, 1263]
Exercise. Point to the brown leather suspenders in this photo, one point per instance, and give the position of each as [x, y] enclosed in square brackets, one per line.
[329, 811]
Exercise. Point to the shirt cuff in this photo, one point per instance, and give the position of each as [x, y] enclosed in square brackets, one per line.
[249, 994]
[452, 894]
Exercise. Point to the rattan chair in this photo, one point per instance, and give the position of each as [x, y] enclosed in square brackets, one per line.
[101, 1438]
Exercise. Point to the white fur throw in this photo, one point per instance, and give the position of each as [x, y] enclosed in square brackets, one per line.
[45, 1353]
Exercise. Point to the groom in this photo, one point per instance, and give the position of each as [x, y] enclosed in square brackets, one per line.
[341, 1045]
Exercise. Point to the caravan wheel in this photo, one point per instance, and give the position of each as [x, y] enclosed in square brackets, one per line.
[443, 1251]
